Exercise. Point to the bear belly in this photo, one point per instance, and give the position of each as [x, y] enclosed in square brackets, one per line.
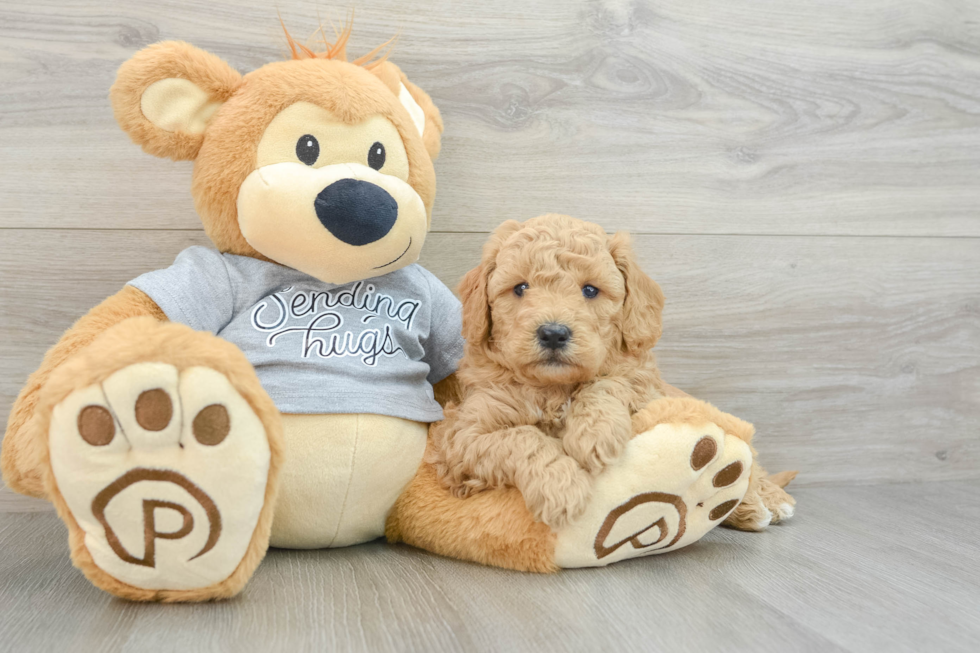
[342, 474]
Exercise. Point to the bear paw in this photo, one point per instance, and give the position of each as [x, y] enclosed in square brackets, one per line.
[673, 484]
[164, 474]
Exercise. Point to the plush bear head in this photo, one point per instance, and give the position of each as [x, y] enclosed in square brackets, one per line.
[316, 163]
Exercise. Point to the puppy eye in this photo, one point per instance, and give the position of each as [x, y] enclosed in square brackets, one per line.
[307, 149]
[520, 288]
[376, 156]
[589, 291]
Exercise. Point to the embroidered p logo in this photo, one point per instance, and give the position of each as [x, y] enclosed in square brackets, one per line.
[150, 508]
[644, 521]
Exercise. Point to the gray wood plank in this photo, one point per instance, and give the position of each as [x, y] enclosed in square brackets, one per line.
[664, 117]
[859, 569]
[858, 359]
[10, 501]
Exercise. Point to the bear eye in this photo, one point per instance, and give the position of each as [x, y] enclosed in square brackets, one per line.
[307, 149]
[376, 156]
[520, 288]
[590, 291]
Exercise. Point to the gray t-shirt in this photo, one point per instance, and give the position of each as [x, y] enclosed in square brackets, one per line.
[373, 346]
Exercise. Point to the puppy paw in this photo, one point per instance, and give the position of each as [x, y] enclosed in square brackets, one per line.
[750, 515]
[783, 512]
[558, 494]
[597, 440]
[467, 488]
[777, 500]
[764, 504]
[672, 485]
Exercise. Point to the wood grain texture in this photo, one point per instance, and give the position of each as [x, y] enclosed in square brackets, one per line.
[663, 116]
[885, 568]
[750, 137]
[858, 359]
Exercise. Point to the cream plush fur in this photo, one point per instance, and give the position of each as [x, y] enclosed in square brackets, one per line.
[345, 475]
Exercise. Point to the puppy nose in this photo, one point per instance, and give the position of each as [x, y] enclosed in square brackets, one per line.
[554, 336]
[356, 212]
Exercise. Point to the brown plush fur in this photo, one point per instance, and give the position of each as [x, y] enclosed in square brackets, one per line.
[765, 502]
[492, 528]
[138, 340]
[688, 410]
[22, 457]
[544, 426]
[386, 71]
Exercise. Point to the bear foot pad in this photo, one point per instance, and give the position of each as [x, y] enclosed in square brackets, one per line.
[164, 472]
[672, 485]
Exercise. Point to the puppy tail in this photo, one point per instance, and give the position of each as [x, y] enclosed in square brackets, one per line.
[782, 479]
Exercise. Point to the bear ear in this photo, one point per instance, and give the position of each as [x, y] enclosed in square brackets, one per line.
[417, 102]
[166, 94]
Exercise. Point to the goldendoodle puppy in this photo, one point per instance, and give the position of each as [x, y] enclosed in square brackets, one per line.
[559, 322]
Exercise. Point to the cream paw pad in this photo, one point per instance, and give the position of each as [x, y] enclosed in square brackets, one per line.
[673, 483]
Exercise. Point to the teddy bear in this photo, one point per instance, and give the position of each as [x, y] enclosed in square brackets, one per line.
[277, 389]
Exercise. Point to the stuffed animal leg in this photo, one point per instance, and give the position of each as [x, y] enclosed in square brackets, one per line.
[159, 448]
[684, 472]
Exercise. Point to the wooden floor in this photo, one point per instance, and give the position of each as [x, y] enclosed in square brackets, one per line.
[883, 568]
[802, 177]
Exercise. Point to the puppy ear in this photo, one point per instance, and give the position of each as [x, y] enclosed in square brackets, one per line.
[417, 102]
[477, 320]
[166, 94]
[476, 307]
[644, 301]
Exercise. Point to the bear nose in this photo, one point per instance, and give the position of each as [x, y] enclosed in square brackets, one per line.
[356, 212]
[554, 336]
